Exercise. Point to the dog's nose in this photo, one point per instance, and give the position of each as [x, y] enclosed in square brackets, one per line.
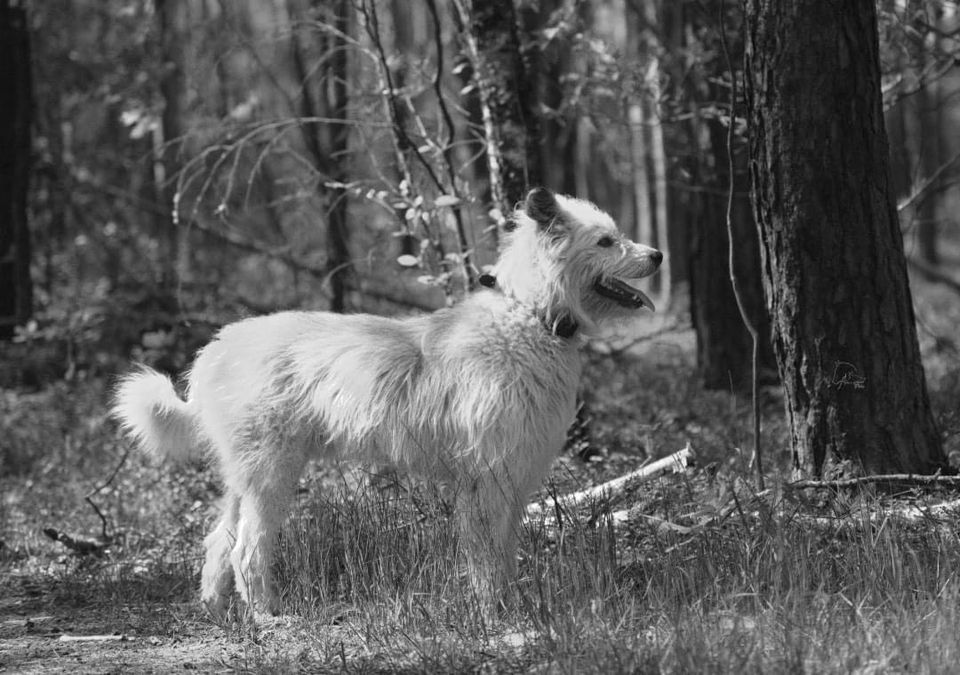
[657, 257]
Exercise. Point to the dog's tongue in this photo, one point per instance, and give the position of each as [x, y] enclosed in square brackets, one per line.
[624, 293]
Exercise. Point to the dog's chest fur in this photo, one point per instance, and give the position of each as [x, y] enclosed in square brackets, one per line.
[512, 374]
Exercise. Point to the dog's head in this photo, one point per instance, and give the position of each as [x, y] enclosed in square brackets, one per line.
[568, 258]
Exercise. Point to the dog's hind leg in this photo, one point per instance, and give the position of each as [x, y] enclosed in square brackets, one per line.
[216, 583]
[264, 503]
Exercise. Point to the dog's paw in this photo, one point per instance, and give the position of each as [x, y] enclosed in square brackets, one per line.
[217, 605]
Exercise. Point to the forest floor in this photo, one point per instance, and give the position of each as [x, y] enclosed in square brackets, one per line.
[693, 572]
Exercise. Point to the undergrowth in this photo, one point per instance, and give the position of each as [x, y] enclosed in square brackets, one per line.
[704, 576]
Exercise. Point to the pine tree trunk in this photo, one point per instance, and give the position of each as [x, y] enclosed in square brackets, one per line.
[834, 268]
[16, 289]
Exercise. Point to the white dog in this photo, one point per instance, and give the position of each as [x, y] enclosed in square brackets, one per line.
[477, 396]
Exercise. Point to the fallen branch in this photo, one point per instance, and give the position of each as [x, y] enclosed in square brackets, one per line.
[118, 637]
[699, 520]
[908, 478]
[676, 462]
[79, 546]
[943, 514]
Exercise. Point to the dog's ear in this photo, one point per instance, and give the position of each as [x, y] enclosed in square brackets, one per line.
[542, 207]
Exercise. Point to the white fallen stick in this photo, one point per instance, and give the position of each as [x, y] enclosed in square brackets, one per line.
[675, 462]
[93, 638]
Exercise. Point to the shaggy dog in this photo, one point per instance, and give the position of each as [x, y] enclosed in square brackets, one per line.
[476, 396]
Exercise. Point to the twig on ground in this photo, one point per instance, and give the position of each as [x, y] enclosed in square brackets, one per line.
[907, 478]
[77, 545]
[677, 461]
[941, 514]
[117, 637]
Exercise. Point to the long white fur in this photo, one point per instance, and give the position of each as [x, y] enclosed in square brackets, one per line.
[477, 396]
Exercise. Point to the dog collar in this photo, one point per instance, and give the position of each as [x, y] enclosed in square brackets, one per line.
[564, 327]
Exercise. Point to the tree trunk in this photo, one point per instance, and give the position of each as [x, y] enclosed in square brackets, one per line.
[174, 20]
[724, 346]
[324, 95]
[338, 251]
[834, 269]
[637, 119]
[16, 289]
[930, 148]
[507, 98]
[658, 159]
[558, 128]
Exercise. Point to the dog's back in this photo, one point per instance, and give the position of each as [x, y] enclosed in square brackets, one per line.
[462, 386]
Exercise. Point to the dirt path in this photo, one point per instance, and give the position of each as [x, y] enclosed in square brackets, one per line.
[36, 637]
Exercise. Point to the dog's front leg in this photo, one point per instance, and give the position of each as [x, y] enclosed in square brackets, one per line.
[489, 518]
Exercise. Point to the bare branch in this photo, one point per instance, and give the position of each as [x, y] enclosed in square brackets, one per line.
[931, 180]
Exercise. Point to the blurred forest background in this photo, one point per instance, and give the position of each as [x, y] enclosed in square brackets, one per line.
[194, 161]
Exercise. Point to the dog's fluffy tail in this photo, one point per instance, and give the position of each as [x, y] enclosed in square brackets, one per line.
[151, 413]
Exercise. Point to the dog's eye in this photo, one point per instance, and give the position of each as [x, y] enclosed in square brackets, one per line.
[606, 242]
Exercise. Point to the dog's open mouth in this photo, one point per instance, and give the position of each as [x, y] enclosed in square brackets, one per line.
[622, 293]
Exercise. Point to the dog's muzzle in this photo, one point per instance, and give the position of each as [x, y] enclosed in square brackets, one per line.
[622, 293]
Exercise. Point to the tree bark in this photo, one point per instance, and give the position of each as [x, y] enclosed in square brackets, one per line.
[16, 289]
[507, 98]
[834, 269]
